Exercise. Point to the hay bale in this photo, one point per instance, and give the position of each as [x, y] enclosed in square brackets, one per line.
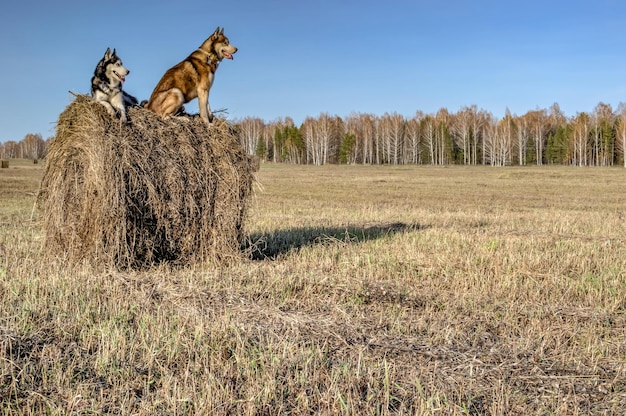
[4, 164]
[129, 196]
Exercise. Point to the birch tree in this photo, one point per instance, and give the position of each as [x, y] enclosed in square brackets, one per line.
[392, 132]
[321, 138]
[32, 146]
[579, 144]
[523, 136]
[429, 136]
[250, 134]
[413, 148]
[507, 132]
[362, 126]
[621, 131]
[539, 127]
[354, 129]
[603, 136]
[497, 142]
[461, 130]
[444, 142]
[366, 138]
[480, 120]
[308, 135]
[9, 150]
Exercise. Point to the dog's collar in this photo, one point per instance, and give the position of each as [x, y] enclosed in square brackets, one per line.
[210, 55]
[105, 88]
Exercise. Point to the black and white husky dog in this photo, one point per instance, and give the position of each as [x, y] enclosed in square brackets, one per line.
[106, 85]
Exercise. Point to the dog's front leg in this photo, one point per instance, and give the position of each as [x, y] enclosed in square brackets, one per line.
[117, 102]
[109, 107]
[203, 102]
[122, 111]
[208, 108]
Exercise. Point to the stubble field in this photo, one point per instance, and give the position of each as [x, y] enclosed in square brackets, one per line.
[369, 290]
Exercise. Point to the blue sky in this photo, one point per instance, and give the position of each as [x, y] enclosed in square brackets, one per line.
[302, 58]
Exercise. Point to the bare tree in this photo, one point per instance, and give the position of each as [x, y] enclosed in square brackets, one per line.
[508, 132]
[539, 126]
[10, 150]
[443, 136]
[497, 142]
[32, 146]
[250, 134]
[461, 129]
[489, 143]
[362, 126]
[413, 148]
[339, 132]
[354, 128]
[621, 131]
[578, 148]
[308, 134]
[603, 136]
[278, 143]
[266, 151]
[480, 121]
[523, 124]
[369, 135]
[392, 134]
[429, 137]
[322, 137]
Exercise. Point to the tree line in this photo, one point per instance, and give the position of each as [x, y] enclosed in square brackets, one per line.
[32, 146]
[467, 137]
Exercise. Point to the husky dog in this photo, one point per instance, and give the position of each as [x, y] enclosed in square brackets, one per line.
[106, 85]
[192, 78]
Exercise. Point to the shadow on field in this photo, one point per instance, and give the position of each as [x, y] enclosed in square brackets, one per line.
[269, 246]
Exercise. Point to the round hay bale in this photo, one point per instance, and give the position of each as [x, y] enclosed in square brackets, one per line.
[130, 196]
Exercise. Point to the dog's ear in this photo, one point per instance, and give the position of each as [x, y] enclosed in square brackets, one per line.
[216, 33]
[107, 54]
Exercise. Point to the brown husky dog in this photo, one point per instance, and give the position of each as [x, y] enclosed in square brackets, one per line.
[192, 78]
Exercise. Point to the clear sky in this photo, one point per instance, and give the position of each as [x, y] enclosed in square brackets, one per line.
[302, 58]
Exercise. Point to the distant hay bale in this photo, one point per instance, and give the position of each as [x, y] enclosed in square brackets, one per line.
[4, 164]
[129, 196]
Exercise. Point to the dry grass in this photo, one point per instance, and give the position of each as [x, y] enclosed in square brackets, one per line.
[134, 195]
[372, 290]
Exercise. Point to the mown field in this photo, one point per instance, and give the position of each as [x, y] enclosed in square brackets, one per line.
[368, 291]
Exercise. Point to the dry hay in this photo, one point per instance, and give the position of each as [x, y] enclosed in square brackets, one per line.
[129, 196]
